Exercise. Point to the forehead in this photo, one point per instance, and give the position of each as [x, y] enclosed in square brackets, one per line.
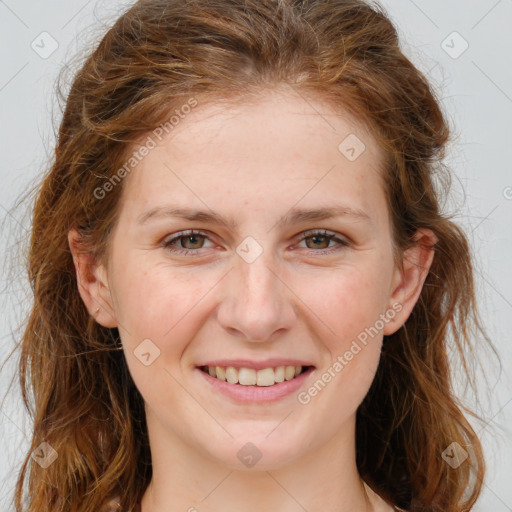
[280, 146]
[276, 119]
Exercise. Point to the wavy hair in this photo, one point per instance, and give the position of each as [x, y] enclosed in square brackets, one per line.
[156, 56]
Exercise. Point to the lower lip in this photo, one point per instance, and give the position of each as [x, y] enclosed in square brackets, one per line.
[257, 394]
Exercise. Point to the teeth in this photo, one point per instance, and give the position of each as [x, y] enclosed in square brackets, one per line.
[251, 377]
[266, 377]
[289, 372]
[231, 375]
[247, 376]
[279, 374]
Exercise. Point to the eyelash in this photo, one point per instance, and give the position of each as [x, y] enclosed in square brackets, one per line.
[169, 243]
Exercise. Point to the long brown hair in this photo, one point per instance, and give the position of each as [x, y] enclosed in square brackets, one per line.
[155, 58]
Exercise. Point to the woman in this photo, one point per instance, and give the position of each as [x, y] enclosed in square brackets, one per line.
[245, 289]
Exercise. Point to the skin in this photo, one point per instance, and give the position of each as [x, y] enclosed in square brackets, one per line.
[254, 161]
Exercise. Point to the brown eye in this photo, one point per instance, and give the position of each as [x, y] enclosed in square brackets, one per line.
[318, 241]
[186, 242]
[192, 241]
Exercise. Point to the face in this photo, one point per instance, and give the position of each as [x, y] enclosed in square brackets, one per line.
[255, 282]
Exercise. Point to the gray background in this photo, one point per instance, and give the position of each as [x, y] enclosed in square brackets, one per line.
[475, 85]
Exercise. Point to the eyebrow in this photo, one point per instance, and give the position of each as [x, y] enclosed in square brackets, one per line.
[293, 216]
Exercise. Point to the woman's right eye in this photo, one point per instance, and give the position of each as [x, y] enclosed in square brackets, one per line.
[191, 237]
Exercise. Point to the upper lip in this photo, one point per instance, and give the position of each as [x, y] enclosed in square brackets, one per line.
[256, 365]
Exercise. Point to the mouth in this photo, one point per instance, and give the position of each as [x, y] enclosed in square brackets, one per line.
[254, 383]
[264, 377]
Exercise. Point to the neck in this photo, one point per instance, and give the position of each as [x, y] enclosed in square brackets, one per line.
[185, 479]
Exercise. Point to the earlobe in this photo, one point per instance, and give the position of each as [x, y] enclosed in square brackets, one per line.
[92, 283]
[409, 279]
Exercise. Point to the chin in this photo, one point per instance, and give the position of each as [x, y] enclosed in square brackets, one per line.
[256, 452]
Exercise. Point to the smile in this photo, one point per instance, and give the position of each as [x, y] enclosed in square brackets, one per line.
[252, 377]
[254, 383]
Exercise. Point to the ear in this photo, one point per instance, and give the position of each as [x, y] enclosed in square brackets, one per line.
[409, 278]
[92, 283]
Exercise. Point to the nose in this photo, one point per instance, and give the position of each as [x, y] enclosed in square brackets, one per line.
[258, 303]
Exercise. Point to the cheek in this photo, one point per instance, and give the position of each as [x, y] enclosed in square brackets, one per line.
[352, 340]
[159, 303]
[346, 302]
[162, 305]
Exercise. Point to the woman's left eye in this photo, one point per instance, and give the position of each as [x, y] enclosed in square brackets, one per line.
[324, 237]
[195, 239]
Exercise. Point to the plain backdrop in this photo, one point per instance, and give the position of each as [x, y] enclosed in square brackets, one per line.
[464, 46]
